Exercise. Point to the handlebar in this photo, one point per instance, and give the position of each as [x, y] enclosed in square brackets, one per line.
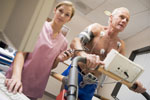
[72, 93]
[72, 79]
[145, 94]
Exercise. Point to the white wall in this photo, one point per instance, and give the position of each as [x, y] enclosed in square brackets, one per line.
[19, 20]
[6, 7]
[24, 20]
[138, 41]
[77, 24]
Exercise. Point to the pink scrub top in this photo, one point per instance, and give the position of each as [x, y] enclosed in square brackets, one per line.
[38, 64]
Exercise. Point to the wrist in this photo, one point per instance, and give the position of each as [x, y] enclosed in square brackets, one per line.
[81, 53]
[58, 59]
[16, 76]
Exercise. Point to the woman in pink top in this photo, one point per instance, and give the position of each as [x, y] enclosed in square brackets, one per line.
[30, 71]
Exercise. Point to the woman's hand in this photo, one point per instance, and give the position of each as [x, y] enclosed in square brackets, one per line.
[14, 85]
[65, 55]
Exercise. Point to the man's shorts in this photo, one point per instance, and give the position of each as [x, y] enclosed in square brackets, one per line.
[85, 93]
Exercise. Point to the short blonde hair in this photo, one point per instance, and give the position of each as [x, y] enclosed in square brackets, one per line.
[68, 3]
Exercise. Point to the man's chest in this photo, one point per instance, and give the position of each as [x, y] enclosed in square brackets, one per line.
[102, 46]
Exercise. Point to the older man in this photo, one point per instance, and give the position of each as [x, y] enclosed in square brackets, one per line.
[96, 41]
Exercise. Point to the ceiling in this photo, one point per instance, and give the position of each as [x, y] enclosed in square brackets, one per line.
[93, 11]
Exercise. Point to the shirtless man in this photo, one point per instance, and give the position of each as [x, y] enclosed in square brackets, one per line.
[98, 40]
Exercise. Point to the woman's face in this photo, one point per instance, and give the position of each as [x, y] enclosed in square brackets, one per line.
[63, 14]
[120, 20]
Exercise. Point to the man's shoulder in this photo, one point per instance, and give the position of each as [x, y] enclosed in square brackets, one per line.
[96, 28]
[97, 25]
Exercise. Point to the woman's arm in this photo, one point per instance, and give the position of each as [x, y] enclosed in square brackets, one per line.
[65, 55]
[14, 84]
[18, 64]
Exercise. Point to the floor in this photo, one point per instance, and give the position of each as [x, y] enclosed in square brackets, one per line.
[47, 97]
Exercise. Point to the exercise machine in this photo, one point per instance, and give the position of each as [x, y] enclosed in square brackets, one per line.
[72, 80]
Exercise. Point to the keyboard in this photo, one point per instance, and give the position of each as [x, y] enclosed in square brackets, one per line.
[6, 53]
[5, 95]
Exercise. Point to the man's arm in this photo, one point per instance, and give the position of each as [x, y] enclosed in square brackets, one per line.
[84, 38]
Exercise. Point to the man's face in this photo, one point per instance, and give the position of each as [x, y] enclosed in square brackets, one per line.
[120, 19]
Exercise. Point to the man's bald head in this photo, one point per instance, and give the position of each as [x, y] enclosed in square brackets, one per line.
[121, 9]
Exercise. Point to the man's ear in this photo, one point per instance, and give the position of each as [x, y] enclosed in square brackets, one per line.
[110, 18]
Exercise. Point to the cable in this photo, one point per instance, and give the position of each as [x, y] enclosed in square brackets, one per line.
[127, 76]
